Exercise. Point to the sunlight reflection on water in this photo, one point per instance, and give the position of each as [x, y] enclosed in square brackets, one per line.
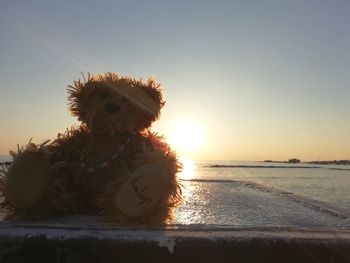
[187, 212]
[187, 216]
[187, 172]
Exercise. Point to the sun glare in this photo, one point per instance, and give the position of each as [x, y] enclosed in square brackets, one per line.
[187, 135]
[187, 172]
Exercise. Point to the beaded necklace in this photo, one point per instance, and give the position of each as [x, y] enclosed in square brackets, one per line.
[91, 169]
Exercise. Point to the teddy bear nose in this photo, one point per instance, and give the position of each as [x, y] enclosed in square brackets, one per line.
[112, 108]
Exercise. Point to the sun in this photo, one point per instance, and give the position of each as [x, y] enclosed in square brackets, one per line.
[186, 135]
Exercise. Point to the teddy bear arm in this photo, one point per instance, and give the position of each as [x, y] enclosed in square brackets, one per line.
[148, 193]
[27, 179]
[33, 187]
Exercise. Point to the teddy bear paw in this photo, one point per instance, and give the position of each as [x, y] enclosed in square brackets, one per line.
[27, 179]
[143, 190]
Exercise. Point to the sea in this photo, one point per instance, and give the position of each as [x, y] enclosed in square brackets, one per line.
[265, 194]
[253, 194]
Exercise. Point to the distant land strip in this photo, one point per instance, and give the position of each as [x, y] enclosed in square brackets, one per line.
[297, 161]
[258, 166]
[275, 167]
[336, 162]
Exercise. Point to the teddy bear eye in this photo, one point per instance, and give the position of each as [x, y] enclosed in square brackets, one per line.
[104, 96]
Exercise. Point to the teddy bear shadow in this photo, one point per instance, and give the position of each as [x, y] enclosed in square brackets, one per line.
[110, 165]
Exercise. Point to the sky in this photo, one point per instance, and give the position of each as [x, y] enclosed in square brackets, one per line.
[262, 79]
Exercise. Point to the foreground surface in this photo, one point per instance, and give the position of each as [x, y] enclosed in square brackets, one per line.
[86, 239]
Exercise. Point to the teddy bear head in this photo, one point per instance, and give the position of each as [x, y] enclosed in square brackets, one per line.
[108, 104]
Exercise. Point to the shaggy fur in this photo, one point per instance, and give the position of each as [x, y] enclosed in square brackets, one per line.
[139, 101]
[116, 114]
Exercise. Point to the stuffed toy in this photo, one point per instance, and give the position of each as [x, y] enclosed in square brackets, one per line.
[111, 164]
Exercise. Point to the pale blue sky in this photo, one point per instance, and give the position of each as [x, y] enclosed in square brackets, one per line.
[266, 79]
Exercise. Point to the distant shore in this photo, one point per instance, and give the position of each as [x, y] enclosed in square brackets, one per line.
[259, 166]
[334, 162]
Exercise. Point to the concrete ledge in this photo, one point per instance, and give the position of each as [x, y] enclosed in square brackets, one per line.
[54, 242]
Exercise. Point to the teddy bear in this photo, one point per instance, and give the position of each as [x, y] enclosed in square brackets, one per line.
[110, 165]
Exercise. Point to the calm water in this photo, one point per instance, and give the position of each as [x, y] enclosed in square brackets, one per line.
[219, 195]
[329, 183]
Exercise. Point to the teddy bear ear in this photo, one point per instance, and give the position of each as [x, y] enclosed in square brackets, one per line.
[148, 97]
[76, 94]
[154, 91]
